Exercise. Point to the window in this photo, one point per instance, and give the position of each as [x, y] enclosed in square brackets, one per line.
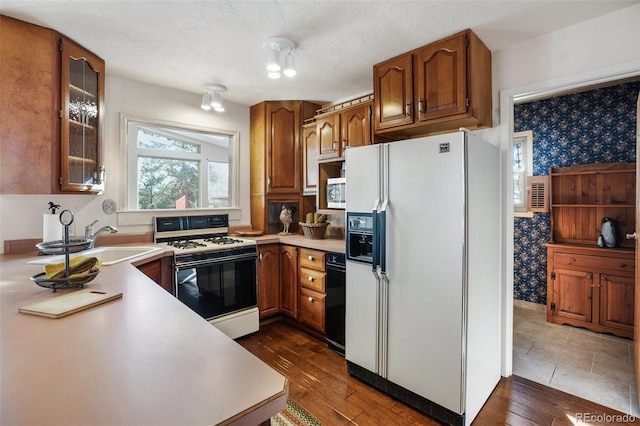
[522, 167]
[170, 166]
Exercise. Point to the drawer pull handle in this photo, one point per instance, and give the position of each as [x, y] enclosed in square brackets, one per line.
[310, 278]
[572, 259]
[310, 258]
[310, 299]
[623, 265]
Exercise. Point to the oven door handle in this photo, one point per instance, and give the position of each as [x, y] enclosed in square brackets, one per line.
[215, 261]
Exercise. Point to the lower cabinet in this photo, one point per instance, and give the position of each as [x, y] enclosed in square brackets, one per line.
[312, 305]
[312, 275]
[591, 287]
[289, 280]
[268, 280]
[160, 271]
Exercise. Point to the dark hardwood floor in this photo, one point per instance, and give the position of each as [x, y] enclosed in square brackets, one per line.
[318, 382]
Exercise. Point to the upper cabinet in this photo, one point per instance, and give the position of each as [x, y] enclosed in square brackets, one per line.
[343, 128]
[393, 93]
[276, 160]
[276, 127]
[309, 158]
[82, 116]
[51, 112]
[439, 87]
[30, 84]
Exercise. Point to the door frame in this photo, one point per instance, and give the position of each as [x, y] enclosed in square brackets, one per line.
[508, 98]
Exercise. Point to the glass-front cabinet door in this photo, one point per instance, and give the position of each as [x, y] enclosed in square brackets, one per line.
[82, 118]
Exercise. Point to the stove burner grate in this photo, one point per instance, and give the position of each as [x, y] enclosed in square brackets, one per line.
[222, 240]
[185, 244]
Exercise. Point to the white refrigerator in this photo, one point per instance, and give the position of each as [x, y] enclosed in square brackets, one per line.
[422, 306]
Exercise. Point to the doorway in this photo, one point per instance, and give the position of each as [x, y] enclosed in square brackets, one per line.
[531, 322]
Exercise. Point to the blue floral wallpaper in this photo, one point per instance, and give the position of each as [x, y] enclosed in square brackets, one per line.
[596, 126]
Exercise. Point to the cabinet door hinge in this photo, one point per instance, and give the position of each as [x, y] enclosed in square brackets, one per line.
[59, 113]
[60, 180]
[466, 42]
[468, 102]
[553, 275]
[553, 306]
[60, 46]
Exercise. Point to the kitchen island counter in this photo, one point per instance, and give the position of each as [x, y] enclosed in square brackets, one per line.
[144, 359]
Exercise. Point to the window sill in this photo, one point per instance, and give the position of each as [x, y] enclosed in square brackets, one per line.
[522, 214]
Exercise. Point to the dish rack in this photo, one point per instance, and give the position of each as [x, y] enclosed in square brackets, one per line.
[66, 247]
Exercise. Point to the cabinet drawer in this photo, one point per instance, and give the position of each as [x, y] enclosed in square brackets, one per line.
[313, 259]
[312, 305]
[594, 262]
[312, 279]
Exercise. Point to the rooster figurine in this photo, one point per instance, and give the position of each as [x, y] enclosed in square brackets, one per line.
[286, 217]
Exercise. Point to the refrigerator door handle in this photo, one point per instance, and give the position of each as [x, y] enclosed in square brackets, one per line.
[375, 254]
[382, 236]
[382, 221]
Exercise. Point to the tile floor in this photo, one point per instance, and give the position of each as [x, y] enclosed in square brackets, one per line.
[594, 366]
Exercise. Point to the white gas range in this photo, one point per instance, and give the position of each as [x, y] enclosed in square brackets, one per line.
[215, 274]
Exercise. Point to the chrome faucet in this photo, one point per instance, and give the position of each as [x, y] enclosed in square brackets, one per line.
[90, 235]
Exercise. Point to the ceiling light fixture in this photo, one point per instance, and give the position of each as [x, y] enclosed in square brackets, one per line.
[206, 101]
[212, 97]
[273, 47]
[289, 65]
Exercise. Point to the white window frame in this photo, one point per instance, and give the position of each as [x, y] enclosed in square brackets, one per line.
[526, 138]
[130, 153]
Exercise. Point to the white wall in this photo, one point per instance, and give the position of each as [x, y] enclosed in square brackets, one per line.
[598, 51]
[21, 215]
[599, 46]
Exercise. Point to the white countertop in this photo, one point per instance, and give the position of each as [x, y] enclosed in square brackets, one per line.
[144, 359]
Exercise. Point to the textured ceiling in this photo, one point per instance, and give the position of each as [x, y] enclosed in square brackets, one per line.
[189, 44]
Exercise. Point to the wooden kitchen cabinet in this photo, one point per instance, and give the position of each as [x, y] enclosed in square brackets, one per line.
[83, 77]
[440, 87]
[328, 130]
[393, 92]
[312, 282]
[309, 158]
[580, 196]
[355, 126]
[268, 280]
[41, 142]
[161, 271]
[591, 287]
[342, 127]
[30, 86]
[276, 157]
[289, 280]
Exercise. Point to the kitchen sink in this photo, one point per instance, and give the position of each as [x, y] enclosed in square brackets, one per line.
[109, 255]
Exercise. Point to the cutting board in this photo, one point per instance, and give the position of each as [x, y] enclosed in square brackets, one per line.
[61, 306]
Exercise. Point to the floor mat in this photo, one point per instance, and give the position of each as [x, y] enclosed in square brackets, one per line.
[293, 415]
